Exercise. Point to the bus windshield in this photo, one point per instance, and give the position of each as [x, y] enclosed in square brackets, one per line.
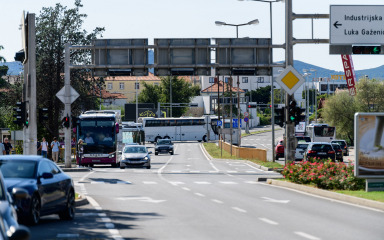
[321, 131]
[98, 135]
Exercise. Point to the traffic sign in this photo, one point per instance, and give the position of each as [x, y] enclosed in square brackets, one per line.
[246, 114]
[246, 119]
[219, 123]
[67, 99]
[290, 80]
[356, 24]
[234, 123]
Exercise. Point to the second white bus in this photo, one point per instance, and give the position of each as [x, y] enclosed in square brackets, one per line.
[320, 132]
[180, 129]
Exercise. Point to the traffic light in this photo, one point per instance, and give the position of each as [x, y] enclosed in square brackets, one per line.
[292, 111]
[43, 114]
[366, 49]
[299, 117]
[74, 121]
[19, 113]
[280, 116]
[252, 105]
[26, 118]
[20, 56]
[65, 122]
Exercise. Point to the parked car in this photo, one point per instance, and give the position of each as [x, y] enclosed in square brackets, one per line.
[300, 150]
[322, 150]
[164, 146]
[9, 227]
[303, 138]
[279, 150]
[49, 189]
[343, 145]
[135, 155]
[338, 151]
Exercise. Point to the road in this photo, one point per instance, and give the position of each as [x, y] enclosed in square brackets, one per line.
[188, 196]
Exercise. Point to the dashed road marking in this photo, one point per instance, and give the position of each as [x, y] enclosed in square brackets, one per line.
[149, 182]
[200, 194]
[266, 220]
[307, 236]
[225, 182]
[217, 201]
[239, 209]
[206, 183]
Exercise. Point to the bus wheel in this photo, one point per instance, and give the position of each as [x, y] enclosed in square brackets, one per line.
[205, 138]
[114, 165]
[167, 137]
[157, 138]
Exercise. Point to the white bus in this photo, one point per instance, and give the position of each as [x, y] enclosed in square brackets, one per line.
[180, 129]
[320, 132]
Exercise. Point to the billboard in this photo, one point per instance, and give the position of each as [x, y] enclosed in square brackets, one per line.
[369, 145]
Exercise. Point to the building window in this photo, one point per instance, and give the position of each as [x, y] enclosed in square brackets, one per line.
[121, 85]
[324, 87]
[137, 85]
[226, 79]
[211, 79]
[244, 79]
[260, 79]
[157, 84]
[109, 86]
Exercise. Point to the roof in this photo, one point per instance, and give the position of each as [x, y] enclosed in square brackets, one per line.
[108, 95]
[150, 77]
[216, 86]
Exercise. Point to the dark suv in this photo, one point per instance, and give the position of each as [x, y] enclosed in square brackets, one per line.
[164, 146]
[343, 146]
[322, 150]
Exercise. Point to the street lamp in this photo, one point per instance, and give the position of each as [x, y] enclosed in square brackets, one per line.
[219, 23]
[253, 22]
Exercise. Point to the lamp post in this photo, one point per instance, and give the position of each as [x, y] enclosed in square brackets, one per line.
[314, 97]
[219, 23]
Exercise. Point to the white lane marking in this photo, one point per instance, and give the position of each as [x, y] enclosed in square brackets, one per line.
[307, 236]
[225, 182]
[149, 182]
[250, 171]
[194, 171]
[176, 183]
[67, 235]
[217, 201]
[209, 160]
[108, 222]
[266, 220]
[251, 182]
[267, 199]
[192, 159]
[231, 171]
[239, 209]
[138, 171]
[159, 172]
[97, 182]
[124, 182]
[82, 179]
[203, 183]
[176, 171]
[199, 194]
[186, 189]
[213, 171]
[257, 169]
[141, 199]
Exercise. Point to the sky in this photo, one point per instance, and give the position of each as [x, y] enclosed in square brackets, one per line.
[194, 19]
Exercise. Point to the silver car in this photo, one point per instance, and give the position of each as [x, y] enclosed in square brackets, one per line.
[300, 150]
[135, 156]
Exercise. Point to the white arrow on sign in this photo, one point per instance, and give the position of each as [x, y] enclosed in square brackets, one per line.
[141, 199]
[267, 199]
[73, 95]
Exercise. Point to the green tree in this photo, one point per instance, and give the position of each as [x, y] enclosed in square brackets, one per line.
[182, 92]
[261, 95]
[56, 26]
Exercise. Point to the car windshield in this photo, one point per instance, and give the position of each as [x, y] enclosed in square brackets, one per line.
[302, 146]
[134, 149]
[336, 146]
[341, 143]
[18, 169]
[164, 142]
[321, 147]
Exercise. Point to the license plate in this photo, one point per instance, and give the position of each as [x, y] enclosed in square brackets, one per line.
[322, 153]
[95, 160]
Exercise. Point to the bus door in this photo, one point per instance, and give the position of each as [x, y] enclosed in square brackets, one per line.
[178, 133]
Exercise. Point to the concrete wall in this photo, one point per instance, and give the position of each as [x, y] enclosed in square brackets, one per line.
[246, 153]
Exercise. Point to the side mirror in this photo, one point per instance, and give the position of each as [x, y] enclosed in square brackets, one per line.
[19, 193]
[47, 175]
[150, 152]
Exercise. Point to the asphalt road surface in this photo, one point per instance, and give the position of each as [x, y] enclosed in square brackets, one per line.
[188, 196]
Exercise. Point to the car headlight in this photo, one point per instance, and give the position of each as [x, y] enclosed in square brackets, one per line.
[111, 155]
[146, 158]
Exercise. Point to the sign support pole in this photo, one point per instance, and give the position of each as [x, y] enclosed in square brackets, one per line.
[67, 108]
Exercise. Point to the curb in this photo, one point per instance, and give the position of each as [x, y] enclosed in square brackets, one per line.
[76, 169]
[329, 194]
[81, 201]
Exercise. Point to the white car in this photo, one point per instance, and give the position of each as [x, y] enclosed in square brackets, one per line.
[300, 150]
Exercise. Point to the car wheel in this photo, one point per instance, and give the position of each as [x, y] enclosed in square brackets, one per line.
[156, 153]
[69, 212]
[121, 167]
[171, 153]
[205, 138]
[149, 167]
[34, 211]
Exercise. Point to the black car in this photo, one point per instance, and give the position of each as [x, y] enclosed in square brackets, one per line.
[49, 189]
[321, 150]
[338, 151]
[164, 146]
[9, 228]
[343, 145]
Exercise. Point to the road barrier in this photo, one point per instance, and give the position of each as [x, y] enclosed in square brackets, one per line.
[244, 152]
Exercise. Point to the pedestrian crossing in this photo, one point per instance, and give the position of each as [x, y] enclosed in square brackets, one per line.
[185, 171]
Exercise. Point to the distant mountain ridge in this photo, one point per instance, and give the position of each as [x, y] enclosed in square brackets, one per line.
[15, 68]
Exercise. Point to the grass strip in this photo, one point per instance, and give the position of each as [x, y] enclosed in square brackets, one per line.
[376, 196]
[257, 132]
[215, 152]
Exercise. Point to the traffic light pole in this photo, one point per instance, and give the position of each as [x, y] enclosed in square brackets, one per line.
[290, 126]
[67, 107]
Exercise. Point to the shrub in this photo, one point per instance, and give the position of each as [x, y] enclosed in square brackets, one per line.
[324, 174]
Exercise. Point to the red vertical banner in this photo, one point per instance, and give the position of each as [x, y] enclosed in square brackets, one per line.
[349, 72]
